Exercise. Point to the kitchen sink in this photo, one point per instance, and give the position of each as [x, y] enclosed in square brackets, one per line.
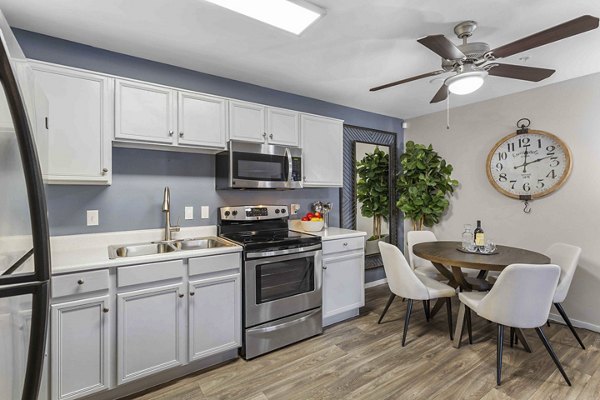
[145, 249]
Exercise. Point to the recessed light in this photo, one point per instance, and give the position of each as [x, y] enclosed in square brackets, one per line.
[292, 16]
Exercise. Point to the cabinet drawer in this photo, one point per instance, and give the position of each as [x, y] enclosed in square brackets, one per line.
[339, 245]
[203, 265]
[77, 283]
[149, 273]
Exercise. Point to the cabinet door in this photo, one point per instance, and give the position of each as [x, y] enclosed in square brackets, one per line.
[150, 331]
[79, 122]
[202, 120]
[79, 348]
[247, 121]
[215, 315]
[322, 151]
[144, 112]
[343, 283]
[283, 127]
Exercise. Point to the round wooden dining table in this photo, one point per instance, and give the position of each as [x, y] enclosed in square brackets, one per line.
[450, 262]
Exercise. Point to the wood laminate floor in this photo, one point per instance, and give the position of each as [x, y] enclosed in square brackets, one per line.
[359, 359]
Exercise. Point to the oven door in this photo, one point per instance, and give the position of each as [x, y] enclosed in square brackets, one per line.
[263, 166]
[279, 286]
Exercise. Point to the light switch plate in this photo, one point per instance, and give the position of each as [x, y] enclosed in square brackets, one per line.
[92, 218]
[204, 212]
[294, 208]
[189, 212]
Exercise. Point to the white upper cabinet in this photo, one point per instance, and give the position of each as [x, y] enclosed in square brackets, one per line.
[282, 127]
[247, 121]
[322, 150]
[202, 120]
[79, 123]
[145, 112]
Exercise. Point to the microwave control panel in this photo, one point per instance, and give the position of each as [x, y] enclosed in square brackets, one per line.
[296, 169]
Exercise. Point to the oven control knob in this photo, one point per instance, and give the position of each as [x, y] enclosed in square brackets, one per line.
[277, 211]
[227, 213]
[283, 210]
[234, 213]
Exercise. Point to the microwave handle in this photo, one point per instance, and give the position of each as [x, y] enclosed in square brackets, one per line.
[288, 155]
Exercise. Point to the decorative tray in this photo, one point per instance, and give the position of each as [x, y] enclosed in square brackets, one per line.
[477, 252]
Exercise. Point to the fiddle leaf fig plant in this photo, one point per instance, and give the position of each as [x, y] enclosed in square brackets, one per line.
[424, 185]
[372, 188]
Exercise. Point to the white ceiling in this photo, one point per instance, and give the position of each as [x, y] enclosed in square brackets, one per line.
[357, 45]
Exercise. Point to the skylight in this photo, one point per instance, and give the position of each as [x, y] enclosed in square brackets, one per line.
[292, 16]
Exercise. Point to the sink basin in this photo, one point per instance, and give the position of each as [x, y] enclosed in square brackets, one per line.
[145, 249]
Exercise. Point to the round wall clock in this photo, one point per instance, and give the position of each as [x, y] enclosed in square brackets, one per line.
[528, 165]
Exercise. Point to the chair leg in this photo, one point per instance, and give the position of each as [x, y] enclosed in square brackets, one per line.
[426, 309]
[563, 314]
[409, 305]
[548, 323]
[469, 329]
[512, 336]
[499, 348]
[449, 310]
[387, 305]
[551, 352]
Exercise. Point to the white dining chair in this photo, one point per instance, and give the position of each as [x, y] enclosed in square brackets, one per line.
[404, 282]
[566, 257]
[420, 265]
[520, 299]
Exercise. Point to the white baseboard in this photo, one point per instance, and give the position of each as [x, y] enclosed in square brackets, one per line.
[375, 283]
[579, 324]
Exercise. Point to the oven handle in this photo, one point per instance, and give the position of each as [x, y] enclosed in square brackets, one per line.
[286, 324]
[288, 155]
[283, 252]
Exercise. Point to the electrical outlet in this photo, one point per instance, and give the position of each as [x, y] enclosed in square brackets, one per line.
[204, 212]
[189, 212]
[92, 218]
[294, 208]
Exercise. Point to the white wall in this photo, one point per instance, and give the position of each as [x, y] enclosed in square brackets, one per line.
[569, 109]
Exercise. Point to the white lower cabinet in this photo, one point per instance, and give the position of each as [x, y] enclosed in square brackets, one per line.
[343, 284]
[150, 331]
[214, 315]
[80, 348]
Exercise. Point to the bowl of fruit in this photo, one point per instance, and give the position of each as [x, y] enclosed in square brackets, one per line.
[312, 222]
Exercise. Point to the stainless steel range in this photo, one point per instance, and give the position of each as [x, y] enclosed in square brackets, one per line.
[282, 277]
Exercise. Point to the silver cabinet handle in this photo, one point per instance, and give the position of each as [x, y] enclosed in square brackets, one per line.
[180, 134]
[345, 244]
[46, 122]
[271, 136]
[171, 133]
[104, 171]
[192, 293]
[105, 310]
[80, 282]
[324, 266]
[181, 295]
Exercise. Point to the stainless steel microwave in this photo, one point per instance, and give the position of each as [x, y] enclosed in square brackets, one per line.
[259, 166]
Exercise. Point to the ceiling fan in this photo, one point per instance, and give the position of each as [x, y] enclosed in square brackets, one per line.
[472, 62]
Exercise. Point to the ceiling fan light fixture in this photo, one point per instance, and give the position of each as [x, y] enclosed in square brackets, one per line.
[466, 82]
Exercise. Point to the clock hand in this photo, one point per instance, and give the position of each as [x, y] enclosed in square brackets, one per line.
[525, 162]
[531, 162]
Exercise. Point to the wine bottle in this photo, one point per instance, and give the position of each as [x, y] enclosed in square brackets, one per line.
[479, 236]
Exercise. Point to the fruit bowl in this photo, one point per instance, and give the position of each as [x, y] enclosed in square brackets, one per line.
[312, 226]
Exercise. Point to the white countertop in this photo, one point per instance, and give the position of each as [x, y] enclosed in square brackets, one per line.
[90, 251]
[330, 233]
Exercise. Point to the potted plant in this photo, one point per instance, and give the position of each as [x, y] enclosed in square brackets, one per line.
[424, 185]
[372, 191]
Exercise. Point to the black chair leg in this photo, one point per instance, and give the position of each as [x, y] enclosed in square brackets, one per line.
[449, 310]
[551, 352]
[469, 329]
[512, 336]
[426, 309]
[563, 314]
[499, 348]
[387, 305]
[409, 305]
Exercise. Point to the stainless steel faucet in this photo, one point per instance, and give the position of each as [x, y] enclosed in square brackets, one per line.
[166, 208]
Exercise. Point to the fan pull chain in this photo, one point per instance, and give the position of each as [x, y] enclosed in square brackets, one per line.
[448, 112]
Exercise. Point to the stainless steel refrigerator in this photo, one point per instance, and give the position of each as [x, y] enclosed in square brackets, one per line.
[24, 240]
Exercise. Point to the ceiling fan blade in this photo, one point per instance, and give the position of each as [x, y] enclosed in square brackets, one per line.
[442, 47]
[414, 78]
[520, 72]
[562, 31]
[441, 94]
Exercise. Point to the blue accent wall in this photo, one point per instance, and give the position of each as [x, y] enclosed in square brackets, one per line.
[134, 199]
